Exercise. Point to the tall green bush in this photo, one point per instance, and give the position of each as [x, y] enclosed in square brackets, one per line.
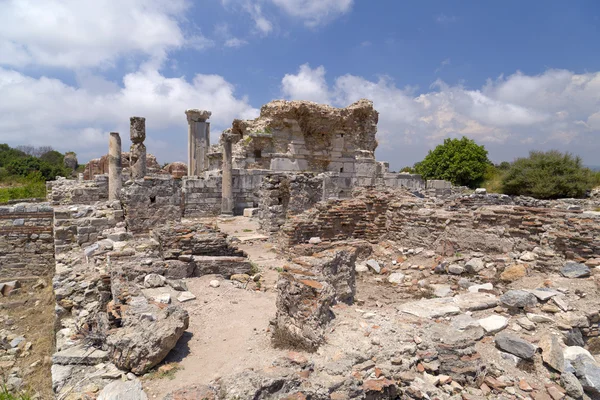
[548, 175]
[460, 161]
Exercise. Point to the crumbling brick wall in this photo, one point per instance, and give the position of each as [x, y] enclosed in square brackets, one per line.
[26, 244]
[449, 229]
[282, 195]
[359, 218]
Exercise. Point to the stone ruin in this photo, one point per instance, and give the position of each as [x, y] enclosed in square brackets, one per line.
[387, 287]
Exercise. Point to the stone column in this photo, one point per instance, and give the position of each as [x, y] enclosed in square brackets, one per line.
[198, 140]
[114, 166]
[227, 193]
[137, 152]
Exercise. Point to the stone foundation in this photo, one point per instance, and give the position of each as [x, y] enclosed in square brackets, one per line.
[26, 240]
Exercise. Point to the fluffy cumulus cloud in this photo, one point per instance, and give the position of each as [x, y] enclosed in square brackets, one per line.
[82, 33]
[48, 111]
[556, 109]
[87, 39]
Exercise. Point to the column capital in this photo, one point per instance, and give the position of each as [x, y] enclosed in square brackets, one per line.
[196, 115]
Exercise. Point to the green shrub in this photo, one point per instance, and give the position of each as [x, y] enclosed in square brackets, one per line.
[492, 179]
[548, 175]
[6, 395]
[460, 161]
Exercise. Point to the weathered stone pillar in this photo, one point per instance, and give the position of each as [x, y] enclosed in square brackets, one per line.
[137, 152]
[114, 166]
[198, 140]
[227, 193]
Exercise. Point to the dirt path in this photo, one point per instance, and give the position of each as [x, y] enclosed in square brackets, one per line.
[228, 325]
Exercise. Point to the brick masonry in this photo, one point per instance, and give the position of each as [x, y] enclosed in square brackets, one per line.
[26, 242]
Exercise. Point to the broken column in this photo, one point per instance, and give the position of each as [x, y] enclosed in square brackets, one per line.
[198, 140]
[137, 155]
[114, 166]
[227, 191]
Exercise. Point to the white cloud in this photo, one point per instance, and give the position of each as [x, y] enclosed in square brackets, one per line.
[315, 12]
[552, 110]
[235, 42]
[262, 24]
[89, 33]
[48, 111]
[307, 84]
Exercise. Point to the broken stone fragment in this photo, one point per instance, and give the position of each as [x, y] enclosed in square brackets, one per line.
[303, 311]
[395, 277]
[575, 270]
[119, 390]
[154, 281]
[147, 336]
[552, 353]
[185, 296]
[518, 299]
[474, 265]
[513, 344]
[493, 323]
[374, 265]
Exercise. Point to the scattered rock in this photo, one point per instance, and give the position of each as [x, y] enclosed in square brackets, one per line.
[119, 390]
[395, 277]
[476, 288]
[513, 344]
[528, 256]
[215, 283]
[493, 323]
[539, 318]
[552, 353]
[185, 296]
[431, 308]
[518, 299]
[154, 281]
[374, 265]
[314, 240]
[571, 385]
[474, 265]
[146, 337]
[575, 270]
[455, 269]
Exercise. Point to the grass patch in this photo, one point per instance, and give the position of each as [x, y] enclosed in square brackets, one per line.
[247, 230]
[5, 395]
[28, 190]
[254, 269]
[165, 371]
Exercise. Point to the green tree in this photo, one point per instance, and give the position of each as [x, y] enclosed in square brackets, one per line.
[460, 161]
[53, 157]
[548, 175]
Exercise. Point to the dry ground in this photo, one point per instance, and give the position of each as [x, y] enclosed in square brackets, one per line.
[31, 314]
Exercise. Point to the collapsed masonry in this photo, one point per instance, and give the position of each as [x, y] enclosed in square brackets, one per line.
[333, 147]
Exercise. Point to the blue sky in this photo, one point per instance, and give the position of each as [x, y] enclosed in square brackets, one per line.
[514, 76]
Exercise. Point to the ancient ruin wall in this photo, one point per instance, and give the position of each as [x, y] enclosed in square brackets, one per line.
[151, 202]
[571, 233]
[360, 218]
[283, 195]
[26, 243]
[68, 191]
[82, 225]
[305, 136]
